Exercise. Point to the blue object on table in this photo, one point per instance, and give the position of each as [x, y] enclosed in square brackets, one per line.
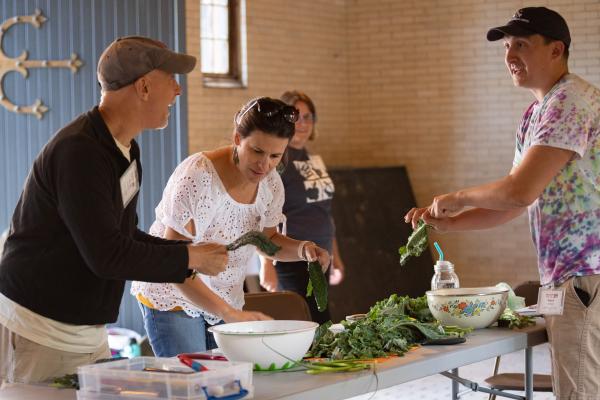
[239, 395]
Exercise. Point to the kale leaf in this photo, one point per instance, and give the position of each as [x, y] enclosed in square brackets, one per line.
[317, 285]
[257, 239]
[416, 244]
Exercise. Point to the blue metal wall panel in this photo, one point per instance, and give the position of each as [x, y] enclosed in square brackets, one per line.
[84, 27]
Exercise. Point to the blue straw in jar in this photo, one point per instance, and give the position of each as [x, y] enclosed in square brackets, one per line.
[439, 250]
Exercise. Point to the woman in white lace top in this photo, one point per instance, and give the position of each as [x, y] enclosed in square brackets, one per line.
[217, 196]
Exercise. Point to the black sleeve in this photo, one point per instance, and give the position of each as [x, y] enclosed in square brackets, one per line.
[145, 237]
[86, 185]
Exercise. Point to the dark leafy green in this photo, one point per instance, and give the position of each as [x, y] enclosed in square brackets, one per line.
[67, 381]
[317, 285]
[72, 380]
[254, 238]
[391, 327]
[416, 244]
[257, 239]
[515, 320]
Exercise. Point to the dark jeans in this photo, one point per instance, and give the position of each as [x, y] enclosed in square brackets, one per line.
[293, 276]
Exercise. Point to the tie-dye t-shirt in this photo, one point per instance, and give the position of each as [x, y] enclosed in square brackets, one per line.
[565, 219]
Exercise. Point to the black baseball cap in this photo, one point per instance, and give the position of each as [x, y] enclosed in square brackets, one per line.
[530, 20]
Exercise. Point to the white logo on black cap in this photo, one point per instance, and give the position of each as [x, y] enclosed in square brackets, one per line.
[519, 17]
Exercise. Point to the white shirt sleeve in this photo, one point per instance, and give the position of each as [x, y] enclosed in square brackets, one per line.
[188, 196]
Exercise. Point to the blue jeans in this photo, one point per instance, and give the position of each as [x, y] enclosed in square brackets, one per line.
[174, 332]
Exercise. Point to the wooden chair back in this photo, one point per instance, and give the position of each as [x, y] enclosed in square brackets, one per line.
[278, 305]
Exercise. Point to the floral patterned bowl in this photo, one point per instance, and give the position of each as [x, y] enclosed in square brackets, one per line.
[467, 307]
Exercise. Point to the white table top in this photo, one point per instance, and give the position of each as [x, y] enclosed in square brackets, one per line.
[418, 363]
[424, 361]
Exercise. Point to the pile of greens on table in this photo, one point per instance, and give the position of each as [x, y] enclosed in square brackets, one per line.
[391, 327]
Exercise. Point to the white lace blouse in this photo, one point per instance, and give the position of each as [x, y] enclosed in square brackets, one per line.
[195, 192]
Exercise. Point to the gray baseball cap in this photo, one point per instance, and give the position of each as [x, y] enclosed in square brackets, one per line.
[128, 58]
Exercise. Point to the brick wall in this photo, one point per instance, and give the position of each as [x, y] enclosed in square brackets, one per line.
[410, 82]
[291, 45]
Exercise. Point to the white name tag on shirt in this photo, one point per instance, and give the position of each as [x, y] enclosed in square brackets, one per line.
[130, 183]
[551, 301]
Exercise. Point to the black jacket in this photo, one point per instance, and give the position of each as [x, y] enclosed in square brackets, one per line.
[72, 245]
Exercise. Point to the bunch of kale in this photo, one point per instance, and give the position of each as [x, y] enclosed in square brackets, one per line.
[391, 327]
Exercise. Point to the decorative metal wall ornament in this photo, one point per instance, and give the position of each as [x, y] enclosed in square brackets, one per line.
[21, 64]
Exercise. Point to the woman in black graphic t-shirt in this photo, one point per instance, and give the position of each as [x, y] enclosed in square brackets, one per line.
[308, 194]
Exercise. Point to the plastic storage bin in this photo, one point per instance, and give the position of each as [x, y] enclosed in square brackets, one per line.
[164, 378]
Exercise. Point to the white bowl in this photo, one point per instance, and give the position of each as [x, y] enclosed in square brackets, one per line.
[473, 308]
[269, 345]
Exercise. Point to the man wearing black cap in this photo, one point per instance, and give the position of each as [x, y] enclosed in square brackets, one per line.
[74, 239]
[555, 177]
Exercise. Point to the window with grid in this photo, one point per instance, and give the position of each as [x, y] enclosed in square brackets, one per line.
[222, 41]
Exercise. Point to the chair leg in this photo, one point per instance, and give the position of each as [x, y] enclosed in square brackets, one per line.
[496, 368]
[497, 365]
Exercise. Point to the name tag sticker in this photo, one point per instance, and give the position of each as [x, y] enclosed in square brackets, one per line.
[130, 183]
[551, 301]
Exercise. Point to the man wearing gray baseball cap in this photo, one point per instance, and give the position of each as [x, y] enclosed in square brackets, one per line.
[131, 57]
[555, 178]
[74, 240]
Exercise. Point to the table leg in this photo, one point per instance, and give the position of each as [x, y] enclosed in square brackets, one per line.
[474, 387]
[529, 373]
[455, 385]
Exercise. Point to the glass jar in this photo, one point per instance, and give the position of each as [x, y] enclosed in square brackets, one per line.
[444, 276]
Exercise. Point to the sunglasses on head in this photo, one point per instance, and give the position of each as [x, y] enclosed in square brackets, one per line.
[270, 108]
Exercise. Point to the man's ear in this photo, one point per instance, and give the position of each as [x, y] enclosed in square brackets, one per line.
[142, 87]
[558, 49]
